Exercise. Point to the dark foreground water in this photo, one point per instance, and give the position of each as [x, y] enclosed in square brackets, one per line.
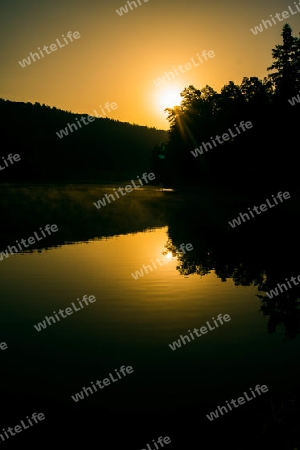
[133, 321]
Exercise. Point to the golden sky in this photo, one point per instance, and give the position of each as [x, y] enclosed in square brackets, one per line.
[117, 58]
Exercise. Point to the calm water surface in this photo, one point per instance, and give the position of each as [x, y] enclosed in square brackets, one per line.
[133, 322]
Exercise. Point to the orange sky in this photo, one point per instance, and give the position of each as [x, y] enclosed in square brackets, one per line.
[117, 58]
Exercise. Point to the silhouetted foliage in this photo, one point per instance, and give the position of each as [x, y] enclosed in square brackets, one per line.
[258, 156]
[287, 65]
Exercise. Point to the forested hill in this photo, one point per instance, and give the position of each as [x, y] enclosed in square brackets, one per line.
[101, 150]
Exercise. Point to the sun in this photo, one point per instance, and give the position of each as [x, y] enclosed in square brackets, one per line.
[169, 98]
[169, 256]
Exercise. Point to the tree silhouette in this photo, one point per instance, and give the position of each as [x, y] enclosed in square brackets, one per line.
[286, 64]
[204, 114]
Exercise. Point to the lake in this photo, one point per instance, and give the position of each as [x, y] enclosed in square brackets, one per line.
[134, 321]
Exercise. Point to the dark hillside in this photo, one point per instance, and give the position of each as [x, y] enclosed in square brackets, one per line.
[101, 150]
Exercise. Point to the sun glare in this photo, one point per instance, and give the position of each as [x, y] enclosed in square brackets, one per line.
[169, 255]
[169, 98]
